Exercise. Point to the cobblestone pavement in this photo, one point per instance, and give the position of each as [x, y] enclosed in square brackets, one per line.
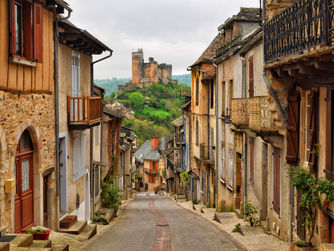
[153, 222]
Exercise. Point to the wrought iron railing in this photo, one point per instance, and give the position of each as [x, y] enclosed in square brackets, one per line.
[151, 170]
[302, 26]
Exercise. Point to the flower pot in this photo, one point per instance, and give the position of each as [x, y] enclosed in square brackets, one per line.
[38, 236]
[294, 247]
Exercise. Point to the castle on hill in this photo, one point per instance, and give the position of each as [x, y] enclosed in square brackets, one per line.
[151, 72]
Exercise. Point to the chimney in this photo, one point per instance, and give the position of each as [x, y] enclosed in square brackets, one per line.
[155, 142]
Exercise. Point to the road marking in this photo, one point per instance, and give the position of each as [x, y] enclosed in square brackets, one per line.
[162, 239]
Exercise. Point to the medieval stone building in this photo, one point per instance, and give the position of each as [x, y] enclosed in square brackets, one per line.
[150, 72]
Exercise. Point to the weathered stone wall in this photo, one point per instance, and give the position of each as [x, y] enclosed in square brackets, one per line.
[34, 112]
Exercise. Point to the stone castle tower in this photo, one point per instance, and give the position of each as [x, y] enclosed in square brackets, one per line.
[150, 72]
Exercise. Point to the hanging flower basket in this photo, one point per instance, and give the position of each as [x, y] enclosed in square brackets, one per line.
[37, 233]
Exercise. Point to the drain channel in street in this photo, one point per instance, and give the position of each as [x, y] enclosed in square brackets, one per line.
[162, 240]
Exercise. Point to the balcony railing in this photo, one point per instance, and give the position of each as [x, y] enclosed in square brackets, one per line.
[207, 154]
[260, 115]
[240, 112]
[150, 171]
[304, 25]
[83, 112]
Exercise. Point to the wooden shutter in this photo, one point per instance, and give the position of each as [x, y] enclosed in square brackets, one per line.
[251, 153]
[197, 90]
[38, 32]
[292, 155]
[251, 77]
[312, 129]
[277, 186]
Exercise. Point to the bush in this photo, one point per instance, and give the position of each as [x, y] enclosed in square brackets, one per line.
[250, 214]
[110, 197]
[301, 244]
[98, 218]
[236, 228]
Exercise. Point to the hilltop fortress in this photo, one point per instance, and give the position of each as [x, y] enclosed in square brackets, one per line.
[151, 72]
[145, 74]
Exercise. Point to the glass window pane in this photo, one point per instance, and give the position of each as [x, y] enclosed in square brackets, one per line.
[25, 141]
[18, 28]
[25, 175]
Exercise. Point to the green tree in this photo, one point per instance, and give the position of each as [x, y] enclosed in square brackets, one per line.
[137, 101]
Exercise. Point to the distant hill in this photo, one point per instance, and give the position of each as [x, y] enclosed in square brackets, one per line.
[184, 78]
[111, 85]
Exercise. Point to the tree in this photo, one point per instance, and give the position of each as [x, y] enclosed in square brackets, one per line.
[137, 101]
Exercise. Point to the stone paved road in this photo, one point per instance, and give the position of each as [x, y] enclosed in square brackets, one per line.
[153, 222]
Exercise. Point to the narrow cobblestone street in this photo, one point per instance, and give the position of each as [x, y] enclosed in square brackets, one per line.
[153, 222]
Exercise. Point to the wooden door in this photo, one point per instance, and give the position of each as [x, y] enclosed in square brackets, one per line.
[277, 184]
[331, 230]
[24, 213]
[238, 180]
[45, 200]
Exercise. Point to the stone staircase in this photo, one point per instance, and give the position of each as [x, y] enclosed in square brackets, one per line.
[25, 242]
[181, 198]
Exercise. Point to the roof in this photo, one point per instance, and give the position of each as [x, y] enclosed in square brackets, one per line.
[152, 155]
[80, 40]
[178, 122]
[143, 149]
[113, 113]
[195, 171]
[162, 144]
[245, 15]
[183, 107]
[61, 5]
[209, 54]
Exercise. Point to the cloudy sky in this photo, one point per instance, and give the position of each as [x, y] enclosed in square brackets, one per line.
[171, 31]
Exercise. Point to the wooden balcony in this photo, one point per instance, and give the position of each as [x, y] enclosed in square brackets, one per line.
[207, 154]
[304, 25]
[83, 112]
[260, 116]
[240, 112]
[151, 171]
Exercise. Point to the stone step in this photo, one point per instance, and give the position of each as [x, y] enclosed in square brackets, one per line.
[4, 246]
[68, 221]
[21, 240]
[107, 213]
[76, 228]
[326, 246]
[41, 244]
[89, 231]
[60, 247]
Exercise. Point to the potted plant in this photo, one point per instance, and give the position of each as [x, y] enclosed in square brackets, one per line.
[37, 233]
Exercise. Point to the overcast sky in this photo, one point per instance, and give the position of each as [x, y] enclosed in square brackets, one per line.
[171, 31]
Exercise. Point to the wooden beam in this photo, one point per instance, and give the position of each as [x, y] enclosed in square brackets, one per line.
[328, 67]
[282, 74]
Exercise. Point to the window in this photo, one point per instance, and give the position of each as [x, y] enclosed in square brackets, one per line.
[223, 99]
[197, 131]
[230, 168]
[212, 94]
[79, 155]
[197, 90]
[276, 178]
[97, 179]
[230, 95]
[223, 164]
[26, 29]
[96, 135]
[251, 77]
[251, 160]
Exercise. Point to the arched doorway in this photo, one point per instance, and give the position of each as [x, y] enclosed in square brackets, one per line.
[23, 170]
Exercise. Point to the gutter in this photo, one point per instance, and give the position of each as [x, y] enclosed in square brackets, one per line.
[56, 91]
[91, 134]
[217, 126]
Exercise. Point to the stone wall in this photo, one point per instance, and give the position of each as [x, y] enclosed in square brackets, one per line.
[34, 112]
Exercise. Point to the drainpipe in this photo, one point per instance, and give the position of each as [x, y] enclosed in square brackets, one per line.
[56, 91]
[217, 125]
[91, 136]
